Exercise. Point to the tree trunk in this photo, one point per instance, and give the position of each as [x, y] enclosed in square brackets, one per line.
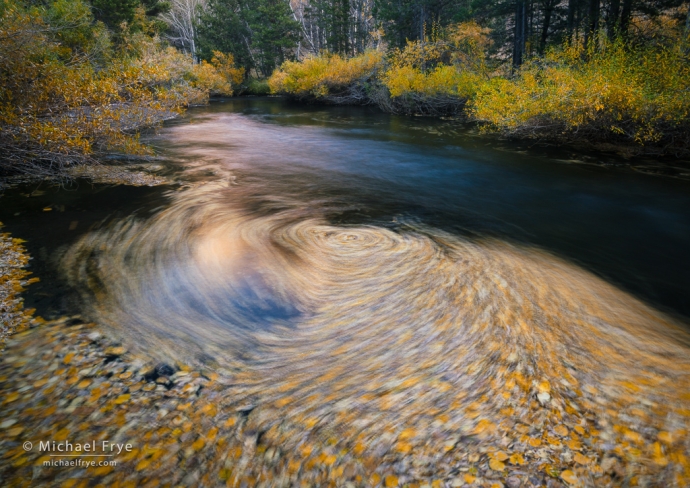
[612, 19]
[593, 21]
[548, 11]
[520, 32]
[626, 13]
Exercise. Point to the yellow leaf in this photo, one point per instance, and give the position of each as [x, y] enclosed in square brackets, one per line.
[122, 399]
[534, 442]
[665, 437]
[581, 459]
[517, 458]
[569, 477]
[500, 456]
[391, 481]
[573, 444]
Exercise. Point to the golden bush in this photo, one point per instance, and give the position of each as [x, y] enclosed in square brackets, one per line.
[65, 93]
[616, 90]
[321, 76]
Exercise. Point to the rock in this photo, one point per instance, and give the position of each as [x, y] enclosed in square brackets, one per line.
[607, 464]
[543, 397]
[94, 336]
[513, 482]
[7, 423]
[164, 369]
[113, 352]
[85, 372]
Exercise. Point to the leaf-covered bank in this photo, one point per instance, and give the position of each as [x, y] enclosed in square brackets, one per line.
[13, 280]
[612, 91]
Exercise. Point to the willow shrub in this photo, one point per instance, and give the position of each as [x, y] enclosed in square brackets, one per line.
[437, 77]
[329, 78]
[617, 92]
[66, 93]
[424, 77]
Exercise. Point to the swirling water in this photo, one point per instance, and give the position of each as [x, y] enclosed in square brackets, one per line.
[311, 236]
[373, 272]
[299, 215]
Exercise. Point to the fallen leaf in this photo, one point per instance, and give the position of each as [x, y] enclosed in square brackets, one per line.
[517, 458]
[569, 477]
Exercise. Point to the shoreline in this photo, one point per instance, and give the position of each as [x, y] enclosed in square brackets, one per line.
[622, 150]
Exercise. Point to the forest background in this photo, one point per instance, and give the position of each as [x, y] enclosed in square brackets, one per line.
[80, 78]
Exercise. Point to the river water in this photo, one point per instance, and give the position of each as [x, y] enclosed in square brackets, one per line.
[357, 166]
[358, 274]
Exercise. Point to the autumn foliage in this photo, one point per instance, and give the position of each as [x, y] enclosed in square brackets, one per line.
[67, 92]
[608, 91]
[329, 78]
[614, 92]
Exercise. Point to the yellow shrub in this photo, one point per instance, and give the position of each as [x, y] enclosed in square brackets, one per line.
[452, 67]
[640, 93]
[65, 94]
[320, 76]
[224, 64]
[442, 81]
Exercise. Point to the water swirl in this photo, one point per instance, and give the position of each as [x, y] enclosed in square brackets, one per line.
[278, 291]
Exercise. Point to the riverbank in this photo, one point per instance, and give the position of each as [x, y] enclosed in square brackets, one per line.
[75, 90]
[610, 96]
[71, 382]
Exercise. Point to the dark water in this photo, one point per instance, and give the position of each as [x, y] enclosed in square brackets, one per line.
[357, 166]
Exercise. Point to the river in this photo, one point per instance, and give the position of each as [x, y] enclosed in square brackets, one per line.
[363, 296]
[357, 166]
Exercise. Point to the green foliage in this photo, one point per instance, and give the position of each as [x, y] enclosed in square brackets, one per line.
[116, 12]
[257, 87]
[260, 33]
[420, 20]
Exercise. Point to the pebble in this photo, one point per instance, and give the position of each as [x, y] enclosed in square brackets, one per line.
[94, 336]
